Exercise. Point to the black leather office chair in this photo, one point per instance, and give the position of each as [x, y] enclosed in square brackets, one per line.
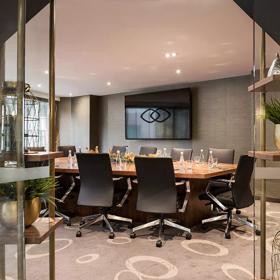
[65, 150]
[223, 155]
[122, 149]
[176, 154]
[157, 193]
[145, 151]
[233, 194]
[97, 189]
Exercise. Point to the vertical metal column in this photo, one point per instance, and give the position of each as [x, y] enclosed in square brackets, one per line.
[52, 128]
[19, 136]
[2, 79]
[263, 162]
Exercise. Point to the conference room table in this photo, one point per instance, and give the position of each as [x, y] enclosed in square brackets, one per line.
[198, 177]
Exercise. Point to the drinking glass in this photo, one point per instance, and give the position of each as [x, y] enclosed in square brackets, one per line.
[197, 160]
[215, 162]
[189, 165]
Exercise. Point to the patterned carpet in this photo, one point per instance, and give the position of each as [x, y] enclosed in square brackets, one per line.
[207, 256]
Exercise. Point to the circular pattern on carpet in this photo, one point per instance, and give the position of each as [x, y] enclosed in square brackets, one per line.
[272, 214]
[126, 271]
[87, 258]
[226, 267]
[72, 227]
[119, 240]
[222, 250]
[246, 235]
[172, 270]
[152, 238]
[29, 256]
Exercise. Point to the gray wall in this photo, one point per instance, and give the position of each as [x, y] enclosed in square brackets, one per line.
[221, 118]
[74, 121]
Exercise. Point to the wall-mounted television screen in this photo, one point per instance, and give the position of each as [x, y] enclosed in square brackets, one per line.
[159, 115]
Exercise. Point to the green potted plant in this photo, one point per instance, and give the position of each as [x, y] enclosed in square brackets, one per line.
[36, 192]
[272, 113]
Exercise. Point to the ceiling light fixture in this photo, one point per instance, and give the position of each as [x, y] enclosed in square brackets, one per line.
[39, 85]
[178, 71]
[170, 55]
[109, 83]
[70, 94]
[46, 72]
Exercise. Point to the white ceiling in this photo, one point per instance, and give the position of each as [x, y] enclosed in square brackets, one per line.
[125, 41]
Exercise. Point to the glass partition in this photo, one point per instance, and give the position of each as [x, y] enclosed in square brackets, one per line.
[266, 108]
[23, 125]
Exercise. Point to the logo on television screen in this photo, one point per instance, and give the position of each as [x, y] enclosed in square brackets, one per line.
[158, 115]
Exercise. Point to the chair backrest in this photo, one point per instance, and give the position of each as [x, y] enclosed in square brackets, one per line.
[223, 155]
[97, 188]
[241, 189]
[65, 150]
[156, 185]
[122, 149]
[176, 153]
[145, 151]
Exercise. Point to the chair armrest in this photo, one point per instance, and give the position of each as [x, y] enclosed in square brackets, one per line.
[230, 181]
[68, 191]
[186, 200]
[212, 197]
[117, 179]
[181, 183]
[129, 189]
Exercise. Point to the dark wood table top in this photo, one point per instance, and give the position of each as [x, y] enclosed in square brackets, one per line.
[201, 171]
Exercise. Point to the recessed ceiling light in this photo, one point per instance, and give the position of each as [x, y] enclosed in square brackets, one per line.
[39, 85]
[46, 72]
[70, 94]
[109, 83]
[178, 71]
[170, 55]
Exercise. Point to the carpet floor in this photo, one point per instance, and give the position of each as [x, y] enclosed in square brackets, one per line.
[207, 256]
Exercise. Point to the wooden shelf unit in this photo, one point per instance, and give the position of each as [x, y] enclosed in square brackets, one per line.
[267, 84]
[265, 155]
[42, 156]
[35, 234]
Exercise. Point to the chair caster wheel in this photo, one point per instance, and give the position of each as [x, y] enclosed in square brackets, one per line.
[227, 235]
[258, 232]
[133, 235]
[238, 212]
[188, 236]
[82, 223]
[159, 243]
[78, 233]
[68, 223]
[111, 235]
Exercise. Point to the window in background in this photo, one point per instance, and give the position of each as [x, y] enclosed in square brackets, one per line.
[36, 123]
